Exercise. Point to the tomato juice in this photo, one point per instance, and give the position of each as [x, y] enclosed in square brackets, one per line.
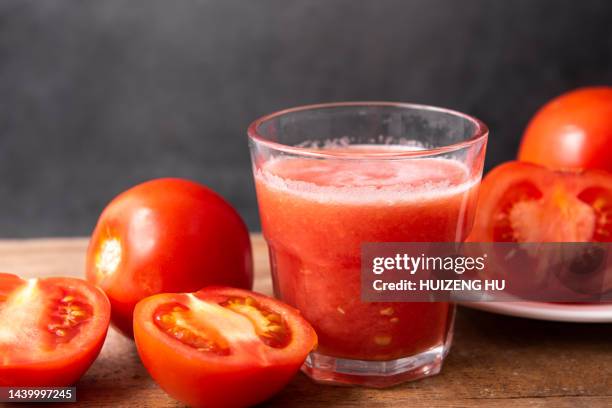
[315, 215]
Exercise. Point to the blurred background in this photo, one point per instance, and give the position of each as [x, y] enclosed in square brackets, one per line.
[97, 96]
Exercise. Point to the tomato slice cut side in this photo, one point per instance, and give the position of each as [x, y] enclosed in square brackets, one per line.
[523, 202]
[221, 340]
[51, 329]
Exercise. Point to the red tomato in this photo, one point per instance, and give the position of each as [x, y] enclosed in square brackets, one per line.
[166, 235]
[573, 130]
[523, 202]
[221, 347]
[51, 330]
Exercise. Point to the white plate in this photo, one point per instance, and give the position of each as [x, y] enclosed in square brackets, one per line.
[600, 313]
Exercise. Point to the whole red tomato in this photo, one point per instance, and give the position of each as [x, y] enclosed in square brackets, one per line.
[573, 130]
[221, 347]
[166, 235]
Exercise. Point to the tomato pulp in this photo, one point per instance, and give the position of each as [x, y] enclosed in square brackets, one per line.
[315, 215]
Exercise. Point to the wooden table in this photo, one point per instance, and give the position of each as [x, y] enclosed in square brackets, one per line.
[495, 361]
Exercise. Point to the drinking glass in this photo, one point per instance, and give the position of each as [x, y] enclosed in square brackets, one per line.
[330, 177]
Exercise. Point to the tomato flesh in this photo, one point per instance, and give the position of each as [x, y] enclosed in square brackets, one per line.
[182, 324]
[506, 220]
[269, 326]
[600, 200]
[51, 329]
[221, 340]
[522, 202]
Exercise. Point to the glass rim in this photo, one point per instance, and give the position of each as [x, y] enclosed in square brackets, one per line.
[481, 131]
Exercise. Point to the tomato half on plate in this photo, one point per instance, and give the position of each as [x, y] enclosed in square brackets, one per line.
[523, 202]
[221, 347]
[51, 329]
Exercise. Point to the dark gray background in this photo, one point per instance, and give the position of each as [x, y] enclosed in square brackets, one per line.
[96, 96]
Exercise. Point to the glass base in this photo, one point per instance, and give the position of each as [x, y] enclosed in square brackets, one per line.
[377, 374]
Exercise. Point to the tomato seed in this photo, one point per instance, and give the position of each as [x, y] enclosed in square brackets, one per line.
[388, 311]
[382, 340]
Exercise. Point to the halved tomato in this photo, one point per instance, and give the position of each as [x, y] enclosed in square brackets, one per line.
[523, 202]
[221, 347]
[51, 329]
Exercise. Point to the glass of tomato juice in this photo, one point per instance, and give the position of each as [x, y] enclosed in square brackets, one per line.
[330, 177]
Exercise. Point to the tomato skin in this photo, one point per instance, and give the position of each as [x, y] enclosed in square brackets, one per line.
[249, 375]
[52, 374]
[174, 236]
[56, 368]
[525, 202]
[573, 130]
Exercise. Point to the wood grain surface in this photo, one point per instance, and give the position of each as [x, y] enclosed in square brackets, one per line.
[496, 361]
